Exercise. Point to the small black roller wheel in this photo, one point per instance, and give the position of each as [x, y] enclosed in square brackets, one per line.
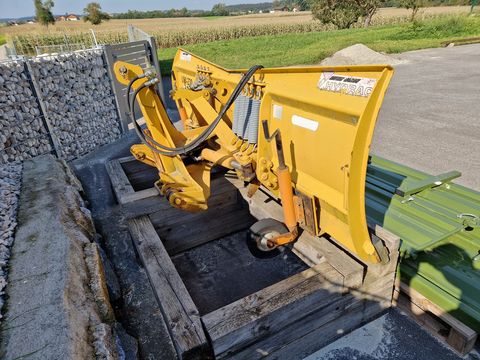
[259, 235]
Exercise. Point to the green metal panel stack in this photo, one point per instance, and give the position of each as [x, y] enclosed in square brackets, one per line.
[439, 225]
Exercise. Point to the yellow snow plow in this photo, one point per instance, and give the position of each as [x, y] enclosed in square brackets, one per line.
[301, 133]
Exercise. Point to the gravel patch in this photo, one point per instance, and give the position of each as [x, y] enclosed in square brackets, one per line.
[360, 54]
[10, 181]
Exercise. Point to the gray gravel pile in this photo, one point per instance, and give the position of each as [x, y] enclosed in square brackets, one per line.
[10, 181]
[22, 132]
[76, 91]
[360, 54]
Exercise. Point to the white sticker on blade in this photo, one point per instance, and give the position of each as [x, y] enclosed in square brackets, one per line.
[305, 123]
[277, 111]
[349, 85]
[185, 56]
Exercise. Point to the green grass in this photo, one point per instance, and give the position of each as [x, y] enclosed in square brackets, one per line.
[2, 39]
[310, 48]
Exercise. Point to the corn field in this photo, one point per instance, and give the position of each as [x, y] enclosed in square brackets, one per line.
[26, 44]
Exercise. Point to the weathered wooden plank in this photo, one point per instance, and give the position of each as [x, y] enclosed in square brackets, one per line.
[139, 195]
[204, 227]
[120, 183]
[140, 175]
[430, 316]
[375, 288]
[259, 315]
[169, 215]
[392, 243]
[174, 300]
[460, 341]
[293, 331]
[315, 249]
[348, 318]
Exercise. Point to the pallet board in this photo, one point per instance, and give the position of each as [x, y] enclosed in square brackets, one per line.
[121, 183]
[242, 323]
[436, 321]
[177, 307]
[287, 320]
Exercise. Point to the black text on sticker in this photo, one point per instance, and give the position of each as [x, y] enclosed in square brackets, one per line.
[349, 85]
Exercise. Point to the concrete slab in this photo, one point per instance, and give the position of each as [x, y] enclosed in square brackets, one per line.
[430, 118]
[51, 308]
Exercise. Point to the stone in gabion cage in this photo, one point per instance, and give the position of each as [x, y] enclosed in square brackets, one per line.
[76, 92]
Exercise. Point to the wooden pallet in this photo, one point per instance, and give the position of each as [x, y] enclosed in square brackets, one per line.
[434, 320]
[123, 185]
[287, 320]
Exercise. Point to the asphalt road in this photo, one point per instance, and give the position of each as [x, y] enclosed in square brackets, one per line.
[430, 119]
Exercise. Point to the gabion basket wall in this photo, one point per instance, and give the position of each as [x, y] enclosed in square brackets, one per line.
[57, 103]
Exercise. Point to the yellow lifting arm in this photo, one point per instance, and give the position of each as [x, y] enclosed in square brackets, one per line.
[321, 120]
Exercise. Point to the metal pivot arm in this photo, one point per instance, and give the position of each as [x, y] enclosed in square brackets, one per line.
[285, 189]
[186, 186]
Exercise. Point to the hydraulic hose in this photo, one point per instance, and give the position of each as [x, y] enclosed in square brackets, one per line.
[168, 151]
[146, 139]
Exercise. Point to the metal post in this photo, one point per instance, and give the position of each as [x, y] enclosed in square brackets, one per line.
[94, 38]
[46, 122]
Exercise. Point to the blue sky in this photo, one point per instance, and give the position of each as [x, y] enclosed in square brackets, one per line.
[20, 8]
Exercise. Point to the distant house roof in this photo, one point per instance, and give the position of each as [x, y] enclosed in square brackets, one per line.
[68, 17]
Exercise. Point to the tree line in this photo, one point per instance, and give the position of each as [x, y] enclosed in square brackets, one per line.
[341, 13]
[92, 12]
[344, 13]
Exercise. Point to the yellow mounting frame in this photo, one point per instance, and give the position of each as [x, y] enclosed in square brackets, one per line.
[326, 116]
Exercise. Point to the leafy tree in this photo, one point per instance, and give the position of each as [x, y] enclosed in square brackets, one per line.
[43, 12]
[414, 5]
[302, 5]
[93, 13]
[220, 10]
[183, 12]
[341, 13]
[369, 8]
